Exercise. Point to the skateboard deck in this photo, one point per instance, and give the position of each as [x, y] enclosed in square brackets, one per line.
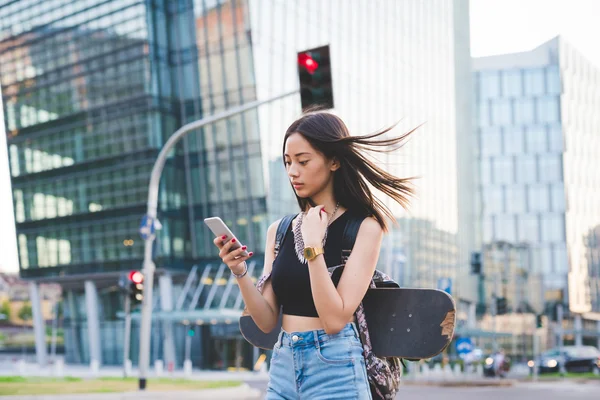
[409, 323]
[402, 322]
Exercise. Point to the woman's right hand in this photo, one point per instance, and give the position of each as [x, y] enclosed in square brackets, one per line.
[233, 259]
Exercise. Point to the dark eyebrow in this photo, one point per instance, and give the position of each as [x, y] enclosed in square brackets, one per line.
[297, 155]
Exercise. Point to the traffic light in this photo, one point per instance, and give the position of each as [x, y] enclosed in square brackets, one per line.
[476, 262]
[538, 321]
[136, 286]
[501, 305]
[314, 73]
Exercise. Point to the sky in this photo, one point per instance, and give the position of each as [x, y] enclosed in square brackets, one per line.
[497, 27]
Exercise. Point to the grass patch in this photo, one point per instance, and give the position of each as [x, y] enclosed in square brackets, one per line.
[568, 375]
[13, 385]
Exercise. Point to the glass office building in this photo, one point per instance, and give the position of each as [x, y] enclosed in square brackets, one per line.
[92, 89]
[537, 114]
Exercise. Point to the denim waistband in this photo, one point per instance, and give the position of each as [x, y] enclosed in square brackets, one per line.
[316, 337]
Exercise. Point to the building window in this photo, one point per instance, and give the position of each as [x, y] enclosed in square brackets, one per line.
[550, 168]
[501, 112]
[491, 141]
[553, 229]
[489, 85]
[555, 138]
[515, 199]
[493, 200]
[512, 83]
[528, 228]
[548, 109]
[513, 140]
[538, 198]
[553, 85]
[503, 170]
[524, 111]
[557, 193]
[526, 169]
[505, 228]
[484, 114]
[535, 138]
[534, 81]
[486, 171]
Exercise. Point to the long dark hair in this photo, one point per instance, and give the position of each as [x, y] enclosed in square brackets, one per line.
[328, 134]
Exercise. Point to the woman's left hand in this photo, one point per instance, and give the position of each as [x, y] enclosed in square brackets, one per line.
[314, 226]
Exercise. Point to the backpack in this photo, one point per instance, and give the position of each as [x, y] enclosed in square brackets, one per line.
[384, 373]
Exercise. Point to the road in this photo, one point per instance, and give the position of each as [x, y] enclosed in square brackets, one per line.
[521, 391]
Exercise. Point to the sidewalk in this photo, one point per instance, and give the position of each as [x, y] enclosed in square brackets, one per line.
[244, 392]
[85, 372]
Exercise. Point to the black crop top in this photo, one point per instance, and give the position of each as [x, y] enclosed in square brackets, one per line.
[290, 278]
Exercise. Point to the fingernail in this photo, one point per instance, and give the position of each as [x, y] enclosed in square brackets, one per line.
[233, 240]
[244, 247]
[250, 254]
[224, 237]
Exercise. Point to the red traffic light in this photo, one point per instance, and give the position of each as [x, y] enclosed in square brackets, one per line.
[305, 60]
[136, 277]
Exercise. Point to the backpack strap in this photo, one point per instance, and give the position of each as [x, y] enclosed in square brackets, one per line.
[349, 236]
[282, 229]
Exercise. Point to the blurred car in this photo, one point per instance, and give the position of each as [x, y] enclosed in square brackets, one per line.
[570, 359]
[491, 369]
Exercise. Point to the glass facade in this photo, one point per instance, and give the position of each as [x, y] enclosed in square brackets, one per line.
[535, 153]
[92, 89]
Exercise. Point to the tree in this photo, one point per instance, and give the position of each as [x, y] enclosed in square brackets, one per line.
[5, 310]
[25, 312]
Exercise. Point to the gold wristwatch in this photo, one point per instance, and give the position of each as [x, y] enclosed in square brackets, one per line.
[310, 253]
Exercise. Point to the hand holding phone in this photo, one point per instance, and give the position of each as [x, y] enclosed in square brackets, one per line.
[237, 253]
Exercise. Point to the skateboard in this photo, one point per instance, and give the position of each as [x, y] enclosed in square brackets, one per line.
[407, 323]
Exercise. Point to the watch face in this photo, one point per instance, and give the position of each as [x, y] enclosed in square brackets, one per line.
[309, 253]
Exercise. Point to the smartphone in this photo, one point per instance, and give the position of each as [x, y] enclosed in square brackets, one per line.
[218, 227]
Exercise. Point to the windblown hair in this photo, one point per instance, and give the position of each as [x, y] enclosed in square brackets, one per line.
[328, 134]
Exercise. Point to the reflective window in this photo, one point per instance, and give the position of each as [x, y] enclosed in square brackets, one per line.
[515, 199]
[528, 228]
[550, 168]
[526, 169]
[493, 199]
[548, 109]
[553, 79]
[512, 83]
[524, 111]
[557, 192]
[553, 229]
[534, 81]
[556, 138]
[489, 84]
[536, 139]
[538, 198]
[505, 228]
[491, 141]
[502, 112]
[513, 140]
[503, 170]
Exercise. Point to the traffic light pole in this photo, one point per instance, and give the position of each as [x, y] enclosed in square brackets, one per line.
[127, 339]
[150, 223]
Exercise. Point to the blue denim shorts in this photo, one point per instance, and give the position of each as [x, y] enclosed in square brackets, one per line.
[314, 365]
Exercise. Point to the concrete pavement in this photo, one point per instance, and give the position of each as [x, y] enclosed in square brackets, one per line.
[243, 392]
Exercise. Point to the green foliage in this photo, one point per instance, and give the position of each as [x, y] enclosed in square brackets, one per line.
[25, 312]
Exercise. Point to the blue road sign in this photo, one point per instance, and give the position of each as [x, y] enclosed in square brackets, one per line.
[464, 345]
[147, 227]
[445, 284]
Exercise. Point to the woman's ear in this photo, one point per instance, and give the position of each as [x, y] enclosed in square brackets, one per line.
[335, 164]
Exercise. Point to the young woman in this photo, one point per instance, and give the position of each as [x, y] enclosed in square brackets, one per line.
[318, 354]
